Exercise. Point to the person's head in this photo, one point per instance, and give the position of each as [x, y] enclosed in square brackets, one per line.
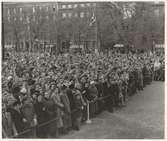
[52, 86]
[63, 88]
[92, 83]
[16, 105]
[47, 95]
[56, 90]
[34, 96]
[39, 98]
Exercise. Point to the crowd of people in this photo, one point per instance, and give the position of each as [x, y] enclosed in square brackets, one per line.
[38, 88]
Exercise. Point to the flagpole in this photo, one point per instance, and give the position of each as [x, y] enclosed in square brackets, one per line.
[96, 30]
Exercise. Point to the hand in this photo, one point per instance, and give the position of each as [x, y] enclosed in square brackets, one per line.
[24, 120]
[16, 134]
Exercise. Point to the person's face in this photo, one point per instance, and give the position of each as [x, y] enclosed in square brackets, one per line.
[39, 98]
[34, 96]
[86, 85]
[52, 87]
[56, 91]
[47, 95]
[17, 107]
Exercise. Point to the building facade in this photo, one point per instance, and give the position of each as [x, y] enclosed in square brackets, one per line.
[26, 23]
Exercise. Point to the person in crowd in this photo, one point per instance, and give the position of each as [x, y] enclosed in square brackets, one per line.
[43, 86]
[93, 95]
[67, 111]
[79, 104]
[55, 96]
[42, 116]
[17, 117]
[8, 127]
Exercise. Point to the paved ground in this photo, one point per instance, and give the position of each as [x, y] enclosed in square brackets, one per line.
[143, 117]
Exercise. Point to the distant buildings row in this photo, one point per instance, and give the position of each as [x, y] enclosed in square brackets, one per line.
[23, 20]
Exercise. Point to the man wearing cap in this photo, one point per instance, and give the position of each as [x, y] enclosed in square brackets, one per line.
[92, 96]
[79, 104]
[17, 116]
[67, 110]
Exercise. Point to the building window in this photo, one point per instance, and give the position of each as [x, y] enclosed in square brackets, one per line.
[8, 12]
[47, 17]
[8, 18]
[21, 18]
[64, 15]
[93, 4]
[14, 10]
[69, 15]
[34, 18]
[75, 5]
[28, 20]
[156, 11]
[63, 6]
[40, 8]
[76, 15]
[69, 6]
[82, 5]
[88, 4]
[20, 10]
[47, 9]
[33, 9]
[81, 14]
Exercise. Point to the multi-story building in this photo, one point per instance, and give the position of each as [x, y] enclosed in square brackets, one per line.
[77, 17]
[159, 12]
[25, 23]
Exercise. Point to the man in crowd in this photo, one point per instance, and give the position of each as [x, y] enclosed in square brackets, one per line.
[47, 87]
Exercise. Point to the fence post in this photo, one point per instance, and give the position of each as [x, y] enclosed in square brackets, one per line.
[88, 121]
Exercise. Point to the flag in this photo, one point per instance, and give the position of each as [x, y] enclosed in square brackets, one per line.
[93, 20]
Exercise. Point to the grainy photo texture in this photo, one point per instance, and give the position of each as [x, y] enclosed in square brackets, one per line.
[83, 70]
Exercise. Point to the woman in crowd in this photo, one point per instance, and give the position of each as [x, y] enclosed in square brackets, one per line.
[49, 87]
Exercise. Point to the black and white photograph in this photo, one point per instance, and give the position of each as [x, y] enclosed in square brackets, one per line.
[83, 69]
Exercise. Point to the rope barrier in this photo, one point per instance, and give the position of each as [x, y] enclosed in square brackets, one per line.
[46, 123]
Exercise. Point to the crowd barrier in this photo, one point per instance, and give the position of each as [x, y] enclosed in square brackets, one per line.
[31, 132]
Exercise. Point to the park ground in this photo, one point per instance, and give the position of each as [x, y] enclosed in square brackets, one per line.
[142, 118]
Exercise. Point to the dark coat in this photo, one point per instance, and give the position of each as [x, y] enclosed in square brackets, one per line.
[71, 98]
[40, 112]
[66, 102]
[17, 118]
[92, 92]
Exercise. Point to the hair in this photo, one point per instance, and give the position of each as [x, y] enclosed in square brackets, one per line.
[16, 103]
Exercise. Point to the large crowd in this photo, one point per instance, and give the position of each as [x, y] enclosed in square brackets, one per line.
[38, 88]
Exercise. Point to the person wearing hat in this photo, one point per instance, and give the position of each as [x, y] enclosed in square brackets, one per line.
[8, 127]
[67, 110]
[10, 83]
[17, 116]
[28, 111]
[79, 104]
[59, 109]
[92, 96]
[42, 116]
